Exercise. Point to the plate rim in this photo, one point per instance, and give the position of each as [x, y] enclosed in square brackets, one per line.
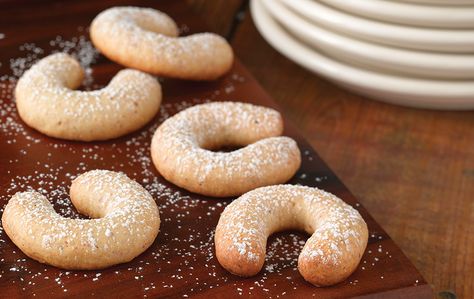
[406, 13]
[439, 2]
[410, 37]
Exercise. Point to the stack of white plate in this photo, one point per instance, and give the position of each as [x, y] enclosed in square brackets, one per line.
[417, 53]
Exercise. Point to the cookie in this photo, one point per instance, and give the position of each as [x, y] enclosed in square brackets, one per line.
[147, 39]
[338, 239]
[185, 148]
[125, 223]
[46, 101]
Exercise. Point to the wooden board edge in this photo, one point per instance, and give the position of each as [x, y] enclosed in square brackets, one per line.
[419, 291]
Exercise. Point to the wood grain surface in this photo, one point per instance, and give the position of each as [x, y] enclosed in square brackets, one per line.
[181, 262]
[413, 169]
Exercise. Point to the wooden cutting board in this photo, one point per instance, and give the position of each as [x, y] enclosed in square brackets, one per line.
[181, 262]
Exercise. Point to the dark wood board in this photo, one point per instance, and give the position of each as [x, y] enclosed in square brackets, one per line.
[181, 261]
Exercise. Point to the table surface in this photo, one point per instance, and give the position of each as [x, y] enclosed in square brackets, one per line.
[412, 169]
[181, 262]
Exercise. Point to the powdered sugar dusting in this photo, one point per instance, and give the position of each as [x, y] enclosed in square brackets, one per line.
[126, 212]
[182, 257]
[337, 229]
[78, 47]
[184, 144]
[129, 101]
[197, 56]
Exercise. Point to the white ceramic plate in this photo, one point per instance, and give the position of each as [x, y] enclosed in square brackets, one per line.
[444, 40]
[409, 13]
[435, 94]
[373, 56]
[440, 2]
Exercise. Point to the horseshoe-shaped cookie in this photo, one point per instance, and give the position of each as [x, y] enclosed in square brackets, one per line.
[147, 39]
[182, 147]
[46, 100]
[338, 233]
[125, 223]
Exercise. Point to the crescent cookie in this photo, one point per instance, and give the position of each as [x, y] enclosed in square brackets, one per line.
[125, 223]
[182, 146]
[46, 100]
[338, 233]
[147, 39]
